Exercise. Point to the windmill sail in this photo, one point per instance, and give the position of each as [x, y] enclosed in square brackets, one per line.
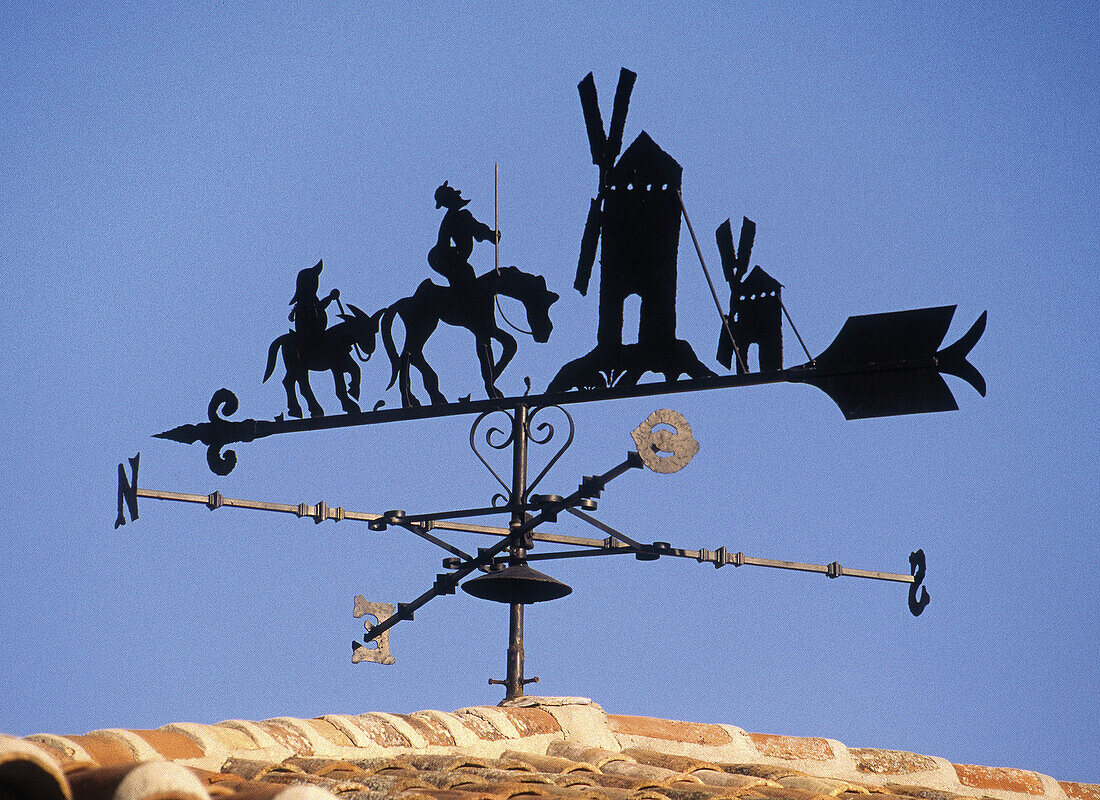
[605, 149]
[618, 114]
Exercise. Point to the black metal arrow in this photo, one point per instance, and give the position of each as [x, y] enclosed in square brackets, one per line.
[879, 365]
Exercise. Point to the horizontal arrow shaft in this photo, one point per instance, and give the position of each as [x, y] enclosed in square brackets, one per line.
[229, 431]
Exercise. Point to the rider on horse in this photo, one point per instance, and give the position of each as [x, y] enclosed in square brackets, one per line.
[308, 314]
[450, 256]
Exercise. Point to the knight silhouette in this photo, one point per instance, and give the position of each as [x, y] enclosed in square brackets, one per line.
[450, 256]
[308, 313]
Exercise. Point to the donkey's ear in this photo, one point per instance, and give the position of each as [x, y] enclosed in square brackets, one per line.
[356, 311]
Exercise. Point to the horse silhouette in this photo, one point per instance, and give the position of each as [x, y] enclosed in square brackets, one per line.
[330, 353]
[467, 305]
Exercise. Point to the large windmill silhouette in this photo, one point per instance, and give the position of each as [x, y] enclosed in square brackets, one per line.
[636, 214]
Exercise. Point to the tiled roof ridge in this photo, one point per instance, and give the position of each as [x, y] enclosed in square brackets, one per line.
[576, 729]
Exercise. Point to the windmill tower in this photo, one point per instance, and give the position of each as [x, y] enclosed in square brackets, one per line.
[636, 212]
[636, 215]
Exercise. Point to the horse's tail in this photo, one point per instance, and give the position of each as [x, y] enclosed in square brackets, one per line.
[386, 328]
[272, 354]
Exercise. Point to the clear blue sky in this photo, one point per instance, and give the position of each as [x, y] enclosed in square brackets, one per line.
[166, 173]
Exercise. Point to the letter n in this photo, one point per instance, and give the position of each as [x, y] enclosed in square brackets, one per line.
[127, 491]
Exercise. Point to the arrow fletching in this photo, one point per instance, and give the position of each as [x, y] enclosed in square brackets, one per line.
[952, 360]
[882, 365]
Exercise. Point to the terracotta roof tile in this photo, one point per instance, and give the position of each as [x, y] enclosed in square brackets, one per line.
[558, 749]
[925, 793]
[890, 762]
[1012, 780]
[548, 763]
[1081, 791]
[792, 747]
[431, 729]
[670, 761]
[172, 745]
[104, 750]
[31, 769]
[331, 733]
[290, 735]
[691, 732]
[532, 721]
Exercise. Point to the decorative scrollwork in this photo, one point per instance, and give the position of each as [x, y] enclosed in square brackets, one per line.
[662, 450]
[501, 436]
[548, 431]
[499, 445]
[223, 401]
[380, 651]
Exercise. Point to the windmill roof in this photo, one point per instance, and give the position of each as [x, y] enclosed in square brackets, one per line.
[645, 157]
[758, 278]
[545, 748]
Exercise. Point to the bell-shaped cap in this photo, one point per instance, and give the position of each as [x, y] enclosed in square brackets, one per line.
[516, 584]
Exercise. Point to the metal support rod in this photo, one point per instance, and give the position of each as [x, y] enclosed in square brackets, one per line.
[496, 217]
[322, 511]
[464, 512]
[787, 314]
[721, 558]
[605, 528]
[513, 681]
[223, 432]
[422, 532]
[710, 283]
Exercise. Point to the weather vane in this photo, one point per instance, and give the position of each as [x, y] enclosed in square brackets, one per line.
[878, 365]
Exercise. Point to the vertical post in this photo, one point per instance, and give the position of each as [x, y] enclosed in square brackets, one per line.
[514, 678]
[496, 218]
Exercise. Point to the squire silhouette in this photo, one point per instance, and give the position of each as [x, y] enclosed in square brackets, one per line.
[636, 212]
[756, 310]
[313, 346]
[468, 302]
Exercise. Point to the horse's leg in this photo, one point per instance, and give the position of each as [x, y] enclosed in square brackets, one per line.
[417, 331]
[508, 350]
[485, 356]
[350, 367]
[356, 375]
[294, 408]
[408, 399]
[431, 379]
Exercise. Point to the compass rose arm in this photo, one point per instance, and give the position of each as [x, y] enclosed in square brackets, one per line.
[129, 492]
[618, 543]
